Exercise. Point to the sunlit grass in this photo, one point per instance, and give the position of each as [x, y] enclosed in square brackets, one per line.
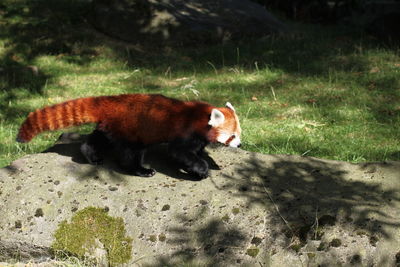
[323, 92]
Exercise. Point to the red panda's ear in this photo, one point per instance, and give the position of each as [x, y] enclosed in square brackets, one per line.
[217, 118]
[229, 105]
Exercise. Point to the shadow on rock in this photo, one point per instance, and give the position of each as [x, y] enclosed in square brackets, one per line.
[205, 240]
[156, 157]
[307, 193]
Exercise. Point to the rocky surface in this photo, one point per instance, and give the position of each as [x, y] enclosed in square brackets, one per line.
[254, 209]
[180, 22]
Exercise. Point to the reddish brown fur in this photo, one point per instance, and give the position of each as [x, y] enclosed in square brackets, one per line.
[133, 117]
[70, 113]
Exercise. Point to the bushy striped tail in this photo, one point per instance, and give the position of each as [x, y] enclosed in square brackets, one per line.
[63, 115]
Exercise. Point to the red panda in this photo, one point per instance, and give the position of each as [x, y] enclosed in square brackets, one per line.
[132, 122]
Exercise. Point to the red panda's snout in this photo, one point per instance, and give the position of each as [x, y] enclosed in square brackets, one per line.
[234, 142]
[229, 139]
[226, 122]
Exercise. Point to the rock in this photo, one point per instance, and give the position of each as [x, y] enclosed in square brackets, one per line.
[272, 210]
[183, 22]
[15, 249]
[336, 242]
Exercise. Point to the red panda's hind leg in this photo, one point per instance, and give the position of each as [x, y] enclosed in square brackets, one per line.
[96, 143]
[131, 159]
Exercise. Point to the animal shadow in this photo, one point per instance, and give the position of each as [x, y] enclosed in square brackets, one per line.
[156, 157]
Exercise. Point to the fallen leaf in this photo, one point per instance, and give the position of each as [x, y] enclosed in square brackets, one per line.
[374, 70]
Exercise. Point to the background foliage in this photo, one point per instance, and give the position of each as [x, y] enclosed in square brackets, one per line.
[328, 91]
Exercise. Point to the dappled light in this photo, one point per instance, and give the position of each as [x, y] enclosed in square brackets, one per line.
[342, 80]
[213, 242]
[327, 91]
[181, 23]
[301, 192]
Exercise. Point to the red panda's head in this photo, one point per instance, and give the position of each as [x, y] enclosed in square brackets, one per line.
[226, 125]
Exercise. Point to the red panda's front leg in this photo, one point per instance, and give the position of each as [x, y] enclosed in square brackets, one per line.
[187, 151]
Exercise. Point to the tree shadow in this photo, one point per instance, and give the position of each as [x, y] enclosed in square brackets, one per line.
[61, 28]
[306, 193]
[302, 201]
[202, 241]
[31, 29]
[179, 23]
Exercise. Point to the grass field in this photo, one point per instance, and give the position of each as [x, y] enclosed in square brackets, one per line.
[319, 91]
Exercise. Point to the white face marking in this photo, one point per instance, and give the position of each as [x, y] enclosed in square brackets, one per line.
[224, 137]
[235, 142]
[217, 118]
[228, 129]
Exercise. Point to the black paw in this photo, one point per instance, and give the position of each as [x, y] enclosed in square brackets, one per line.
[95, 161]
[143, 172]
[199, 169]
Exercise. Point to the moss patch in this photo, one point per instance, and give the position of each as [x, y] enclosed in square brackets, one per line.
[162, 237]
[153, 238]
[166, 207]
[235, 210]
[88, 225]
[225, 218]
[252, 251]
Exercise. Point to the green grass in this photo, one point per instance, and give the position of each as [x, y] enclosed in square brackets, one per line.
[321, 91]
